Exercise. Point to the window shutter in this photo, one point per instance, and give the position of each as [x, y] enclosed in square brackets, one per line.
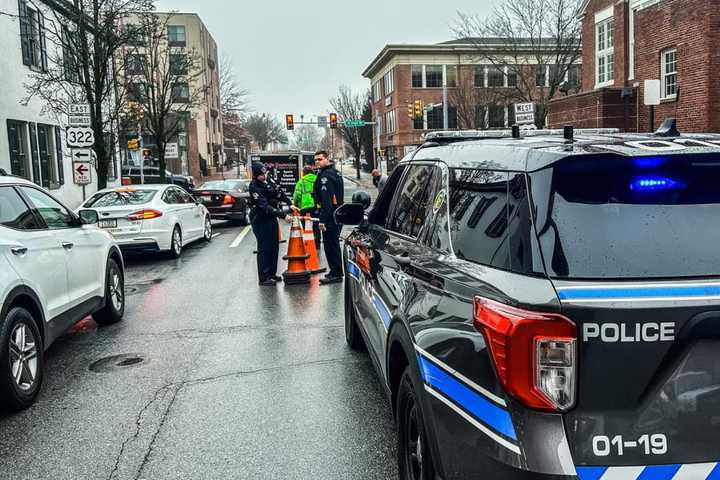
[43, 42]
[59, 157]
[24, 32]
[35, 154]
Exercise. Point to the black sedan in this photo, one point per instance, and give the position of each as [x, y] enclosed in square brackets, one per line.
[226, 200]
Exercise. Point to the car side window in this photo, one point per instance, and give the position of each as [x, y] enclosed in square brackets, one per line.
[438, 235]
[479, 213]
[14, 212]
[379, 213]
[411, 205]
[168, 196]
[52, 212]
[185, 197]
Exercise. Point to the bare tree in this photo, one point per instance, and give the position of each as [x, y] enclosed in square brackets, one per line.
[527, 41]
[87, 37]
[233, 98]
[163, 80]
[351, 106]
[265, 129]
[471, 102]
[307, 137]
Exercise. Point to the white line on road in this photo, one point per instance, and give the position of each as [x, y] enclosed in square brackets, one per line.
[216, 235]
[240, 237]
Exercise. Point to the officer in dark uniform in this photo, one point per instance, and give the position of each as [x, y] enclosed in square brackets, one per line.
[266, 198]
[329, 193]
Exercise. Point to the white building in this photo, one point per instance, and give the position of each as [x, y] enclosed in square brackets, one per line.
[32, 143]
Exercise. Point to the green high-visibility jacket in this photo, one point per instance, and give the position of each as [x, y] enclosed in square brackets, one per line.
[303, 197]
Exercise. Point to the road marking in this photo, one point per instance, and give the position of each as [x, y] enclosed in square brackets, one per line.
[216, 235]
[240, 237]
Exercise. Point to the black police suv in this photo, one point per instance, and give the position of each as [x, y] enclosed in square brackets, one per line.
[542, 307]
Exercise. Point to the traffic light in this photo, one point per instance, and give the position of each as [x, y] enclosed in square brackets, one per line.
[133, 144]
[419, 107]
[411, 111]
[333, 120]
[289, 122]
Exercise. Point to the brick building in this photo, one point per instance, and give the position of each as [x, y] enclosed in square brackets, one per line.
[627, 42]
[481, 95]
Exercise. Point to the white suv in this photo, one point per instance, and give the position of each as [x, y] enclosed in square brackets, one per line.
[55, 269]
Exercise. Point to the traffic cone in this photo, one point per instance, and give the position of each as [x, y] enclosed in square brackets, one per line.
[312, 263]
[296, 256]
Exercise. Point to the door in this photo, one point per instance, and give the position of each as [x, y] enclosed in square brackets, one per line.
[394, 247]
[195, 214]
[178, 211]
[84, 247]
[34, 252]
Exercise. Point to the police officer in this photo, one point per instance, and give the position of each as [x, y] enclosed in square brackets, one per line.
[304, 198]
[329, 192]
[265, 198]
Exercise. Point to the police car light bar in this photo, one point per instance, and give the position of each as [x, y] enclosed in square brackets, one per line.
[479, 134]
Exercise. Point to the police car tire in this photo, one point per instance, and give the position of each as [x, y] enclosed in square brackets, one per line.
[12, 397]
[409, 409]
[353, 337]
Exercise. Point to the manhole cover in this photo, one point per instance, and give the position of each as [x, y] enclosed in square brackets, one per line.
[117, 362]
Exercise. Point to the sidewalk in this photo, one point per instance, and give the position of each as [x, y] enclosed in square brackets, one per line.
[365, 182]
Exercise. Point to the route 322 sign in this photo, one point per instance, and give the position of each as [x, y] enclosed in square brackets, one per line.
[80, 137]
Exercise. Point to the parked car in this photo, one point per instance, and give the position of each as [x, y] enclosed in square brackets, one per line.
[151, 176]
[55, 269]
[226, 200]
[545, 307]
[161, 218]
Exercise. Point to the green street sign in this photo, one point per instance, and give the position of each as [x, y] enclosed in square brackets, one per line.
[355, 123]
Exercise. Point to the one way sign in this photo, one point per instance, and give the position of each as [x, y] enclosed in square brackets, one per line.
[82, 173]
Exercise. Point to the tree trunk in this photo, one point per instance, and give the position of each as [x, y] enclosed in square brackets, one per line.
[357, 152]
[101, 151]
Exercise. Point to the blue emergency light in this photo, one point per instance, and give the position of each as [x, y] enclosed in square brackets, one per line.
[655, 183]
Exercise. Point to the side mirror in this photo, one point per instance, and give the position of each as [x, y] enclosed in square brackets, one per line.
[350, 214]
[89, 217]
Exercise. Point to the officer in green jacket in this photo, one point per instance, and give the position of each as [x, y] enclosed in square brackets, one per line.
[305, 200]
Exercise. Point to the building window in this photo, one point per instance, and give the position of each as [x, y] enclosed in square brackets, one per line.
[511, 76]
[631, 45]
[32, 37]
[496, 116]
[136, 92]
[389, 82]
[556, 75]
[418, 123]
[573, 75]
[434, 76]
[496, 76]
[70, 66]
[17, 141]
[135, 64]
[390, 121]
[451, 75]
[435, 120]
[669, 73]
[605, 52]
[541, 75]
[376, 92]
[176, 35]
[178, 64]
[181, 93]
[417, 76]
[480, 75]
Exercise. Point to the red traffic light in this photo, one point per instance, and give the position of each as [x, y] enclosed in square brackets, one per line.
[289, 122]
[333, 120]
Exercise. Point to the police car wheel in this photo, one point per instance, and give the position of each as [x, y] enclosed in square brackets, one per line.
[176, 243]
[353, 337]
[414, 459]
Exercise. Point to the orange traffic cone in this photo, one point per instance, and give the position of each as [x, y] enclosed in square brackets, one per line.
[296, 256]
[313, 262]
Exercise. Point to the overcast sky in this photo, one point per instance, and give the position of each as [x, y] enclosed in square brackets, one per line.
[292, 55]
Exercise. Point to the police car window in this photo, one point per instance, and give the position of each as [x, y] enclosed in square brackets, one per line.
[479, 216]
[412, 201]
[438, 236]
[381, 207]
[525, 255]
[14, 213]
[618, 217]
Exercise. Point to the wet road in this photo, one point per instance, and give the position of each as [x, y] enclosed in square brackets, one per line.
[236, 381]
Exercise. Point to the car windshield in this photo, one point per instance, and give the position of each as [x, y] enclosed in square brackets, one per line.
[616, 217]
[119, 198]
[238, 185]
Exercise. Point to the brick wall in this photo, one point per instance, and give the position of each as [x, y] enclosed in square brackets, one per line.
[603, 108]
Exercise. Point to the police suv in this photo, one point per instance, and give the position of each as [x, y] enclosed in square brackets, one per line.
[545, 306]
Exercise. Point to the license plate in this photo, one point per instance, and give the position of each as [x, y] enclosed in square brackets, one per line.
[108, 223]
[207, 198]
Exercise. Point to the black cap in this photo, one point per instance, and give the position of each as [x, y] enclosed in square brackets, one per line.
[258, 169]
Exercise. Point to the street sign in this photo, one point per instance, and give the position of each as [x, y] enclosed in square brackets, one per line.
[652, 92]
[171, 150]
[79, 109]
[322, 121]
[80, 137]
[355, 123]
[79, 121]
[524, 113]
[82, 155]
[82, 173]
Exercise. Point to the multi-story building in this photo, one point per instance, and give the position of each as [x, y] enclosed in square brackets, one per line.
[481, 94]
[627, 42]
[32, 144]
[200, 142]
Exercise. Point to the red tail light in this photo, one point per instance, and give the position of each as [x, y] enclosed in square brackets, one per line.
[144, 215]
[228, 200]
[126, 181]
[534, 353]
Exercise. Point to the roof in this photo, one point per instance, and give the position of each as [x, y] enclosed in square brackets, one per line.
[468, 45]
[530, 153]
[8, 179]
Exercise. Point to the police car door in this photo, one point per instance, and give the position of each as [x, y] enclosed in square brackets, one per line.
[396, 246]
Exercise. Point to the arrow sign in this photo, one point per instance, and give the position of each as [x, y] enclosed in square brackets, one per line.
[82, 169]
[84, 155]
[82, 172]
